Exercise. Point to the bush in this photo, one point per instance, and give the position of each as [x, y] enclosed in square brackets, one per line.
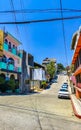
[11, 84]
[2, 80]
[2, 84]
[43, 84]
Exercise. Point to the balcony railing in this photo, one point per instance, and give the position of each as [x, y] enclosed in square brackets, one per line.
[3, 65]
[5, 46]
[19, 69]
[9, 67]
[12, 50]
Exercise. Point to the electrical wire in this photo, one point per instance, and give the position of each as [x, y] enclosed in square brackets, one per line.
[23, 17]
[64, 34]
[57, 10]
[12, 6]
[41, 20]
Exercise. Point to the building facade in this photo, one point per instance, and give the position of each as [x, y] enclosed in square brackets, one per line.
[38, 75]
[10, 57]
[46, 61]
[27, 73]
[76, 61]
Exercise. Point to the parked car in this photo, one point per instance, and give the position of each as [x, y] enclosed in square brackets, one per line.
[64, 86]
[63, 93]
[65, 83]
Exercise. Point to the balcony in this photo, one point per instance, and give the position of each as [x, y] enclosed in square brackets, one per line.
[11, 67]
[19, 69]
[3, 65]
[12, 50]
[20, 55]
[5, 46]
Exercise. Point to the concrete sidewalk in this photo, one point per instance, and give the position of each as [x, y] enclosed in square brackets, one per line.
[76, 104]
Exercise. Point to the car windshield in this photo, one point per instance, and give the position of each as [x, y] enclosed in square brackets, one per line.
[64, 85]
[64, 90]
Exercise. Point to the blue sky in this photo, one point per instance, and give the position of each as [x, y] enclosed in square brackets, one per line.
[43, 39]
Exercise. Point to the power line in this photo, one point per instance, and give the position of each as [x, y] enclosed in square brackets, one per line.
[57, 10]
[23, 16]
[64, 33]
[12, 6]
[42, 20]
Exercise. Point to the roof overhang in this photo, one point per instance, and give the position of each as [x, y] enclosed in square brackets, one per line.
[13, 38]
[74, 40]
[78, 71]
[77, 49]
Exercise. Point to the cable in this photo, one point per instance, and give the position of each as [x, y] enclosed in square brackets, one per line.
[64, 33]
[23, 17]
[57, 10]
[42, 20]
[12, 6]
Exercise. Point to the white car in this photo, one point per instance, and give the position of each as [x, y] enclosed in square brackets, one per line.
[63, 93]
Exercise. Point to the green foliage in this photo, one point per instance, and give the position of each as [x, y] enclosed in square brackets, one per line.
[36, 67]
[51, 69]
[2, 80]
[2, 84]
[43, 84]
[72, 68]
[11, 84]
[60, 67]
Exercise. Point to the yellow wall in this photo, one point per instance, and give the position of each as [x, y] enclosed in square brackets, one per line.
[1, 42]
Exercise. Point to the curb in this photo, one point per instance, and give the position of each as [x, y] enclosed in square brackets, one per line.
[74, 109]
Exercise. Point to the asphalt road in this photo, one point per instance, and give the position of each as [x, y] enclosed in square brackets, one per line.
[39, 111]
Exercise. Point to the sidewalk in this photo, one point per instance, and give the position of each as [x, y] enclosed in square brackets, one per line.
[76, 104]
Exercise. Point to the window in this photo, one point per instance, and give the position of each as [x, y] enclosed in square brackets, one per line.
[13, 46]
[4, 59]
[11, 61]
[6, 41]
[9, 45]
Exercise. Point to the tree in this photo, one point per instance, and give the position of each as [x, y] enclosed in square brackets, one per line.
[2, 80]
[51, 69]
[11, 84]
[2, 84]
[72, 68]
[60, 67]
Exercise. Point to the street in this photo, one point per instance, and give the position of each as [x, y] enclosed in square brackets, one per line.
[39, 111]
